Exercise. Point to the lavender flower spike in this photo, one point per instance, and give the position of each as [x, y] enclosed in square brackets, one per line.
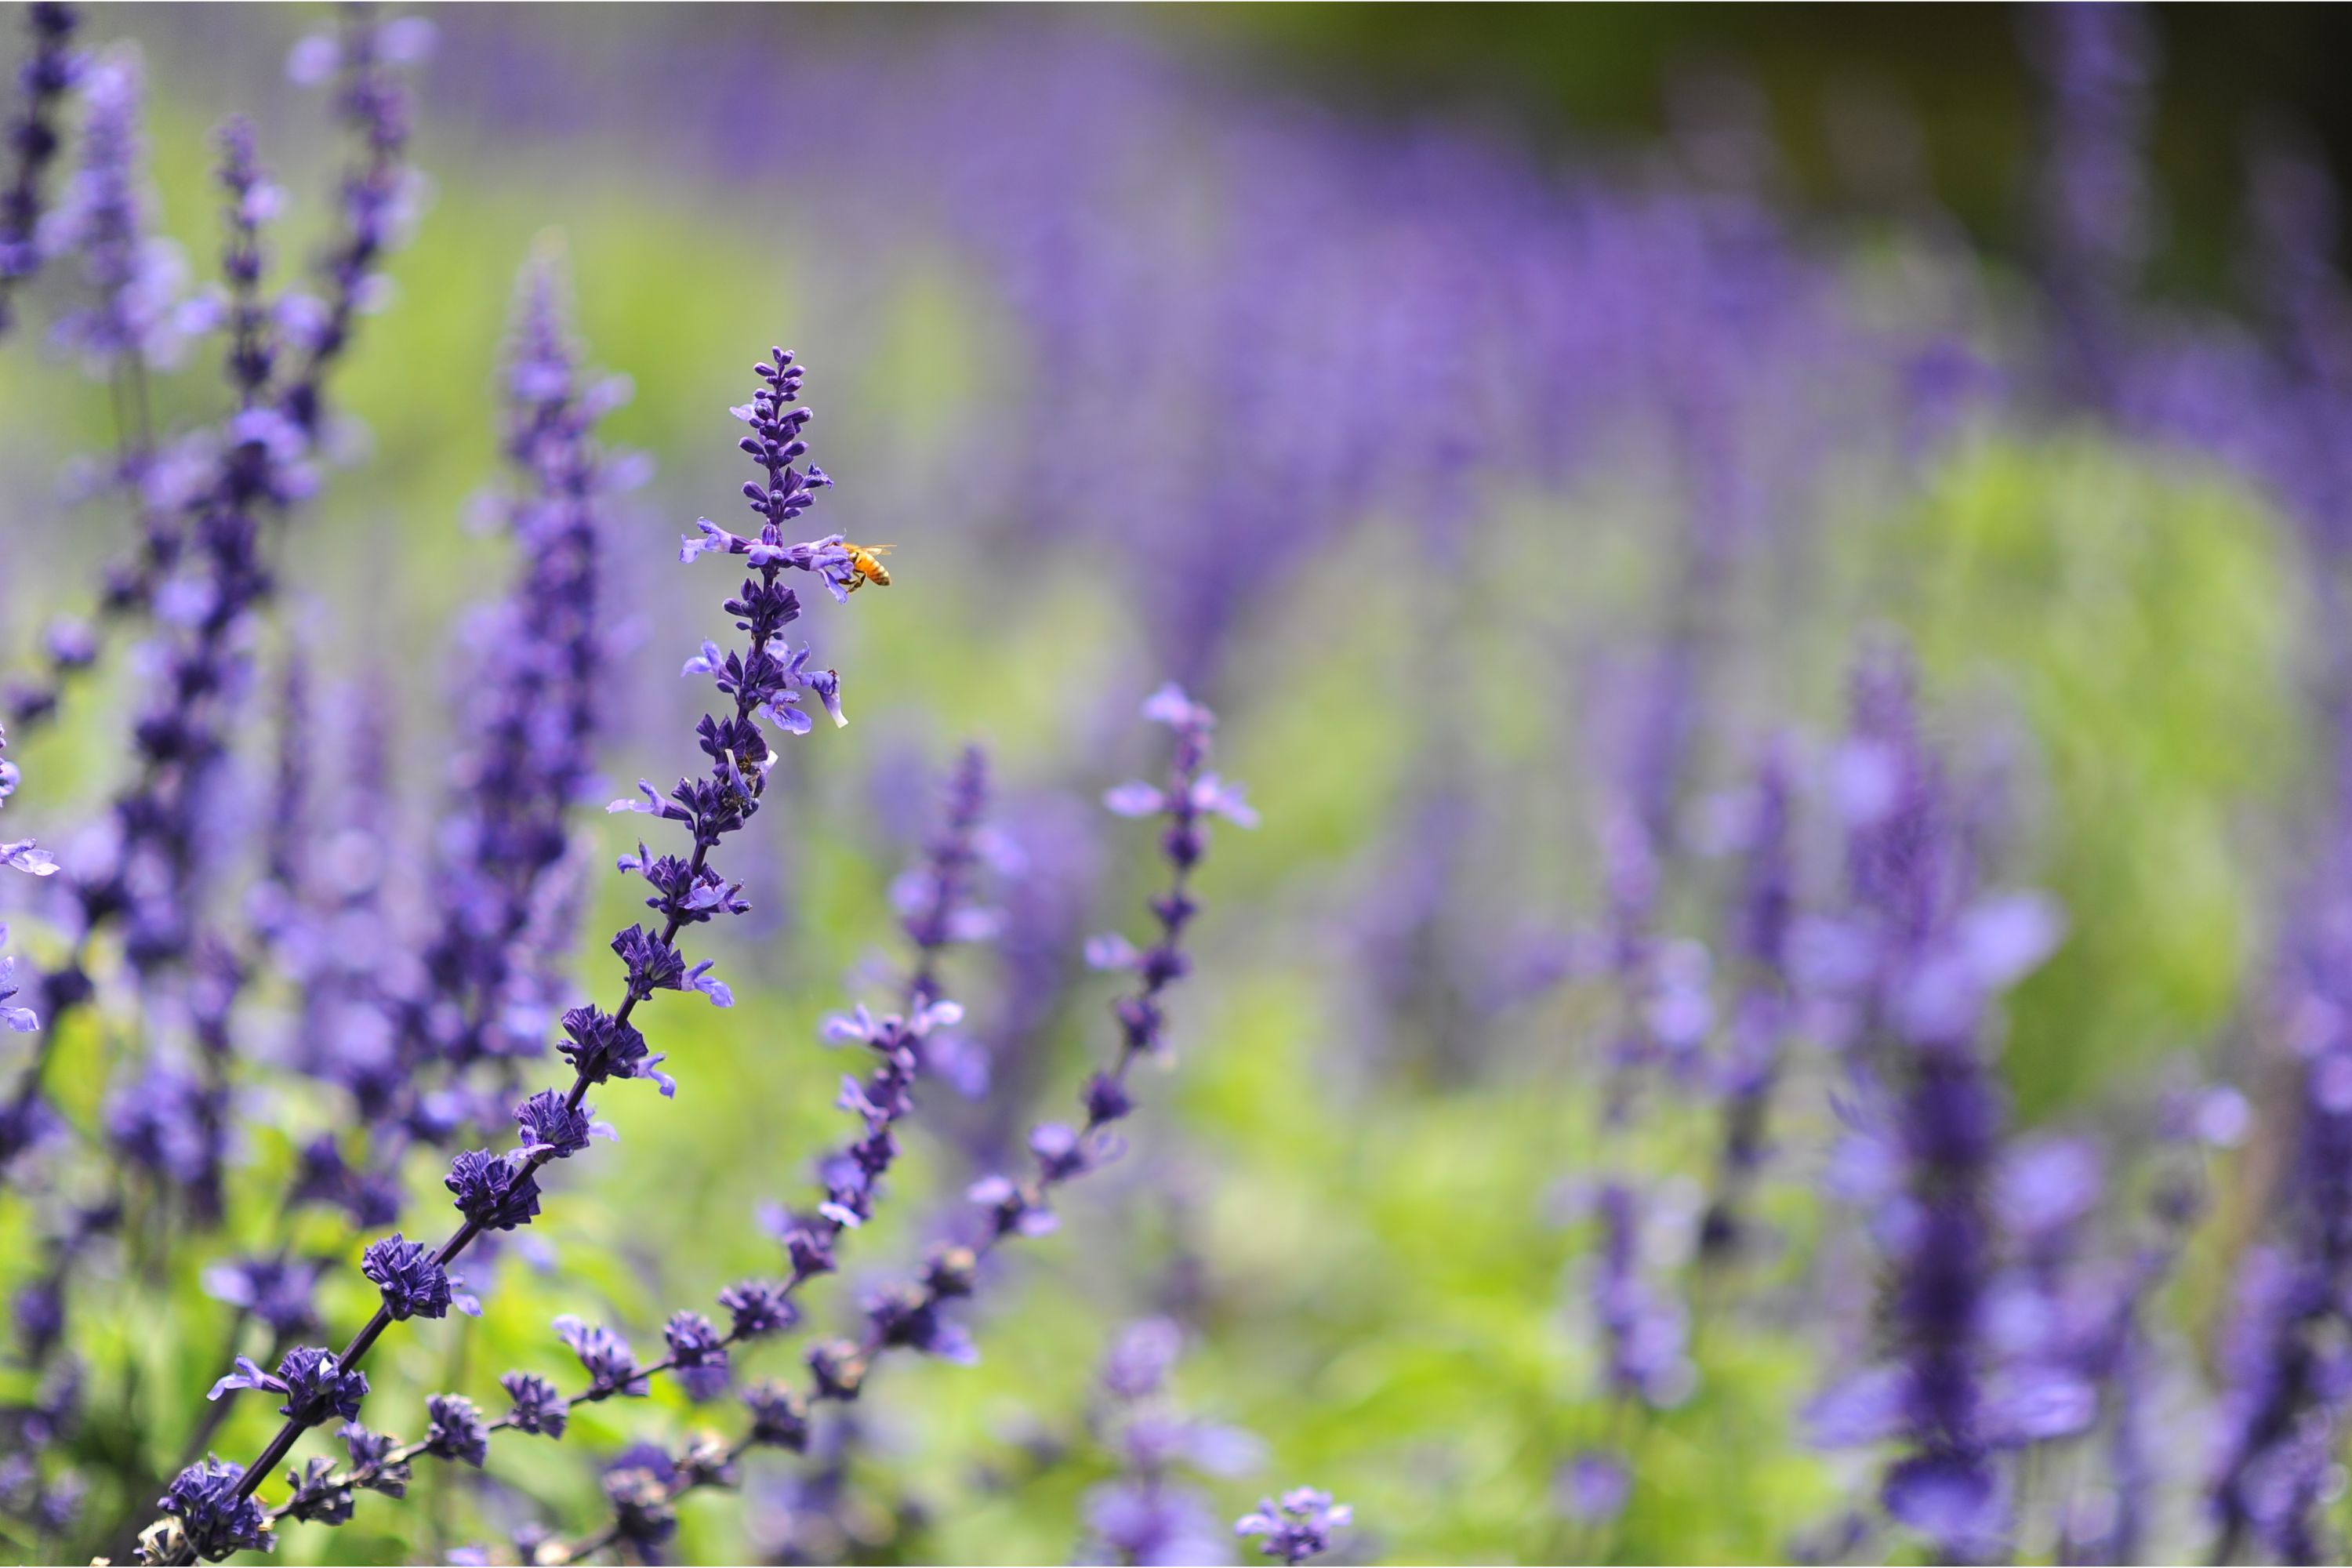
[495, 1190]
[1148, 1513]
[531, 722]
[935, 898]
[1645, 1329]
[912, 1316]
[32, 141]
[134, 278]
[1191, 798]
[1296, 1528]
[379, 193]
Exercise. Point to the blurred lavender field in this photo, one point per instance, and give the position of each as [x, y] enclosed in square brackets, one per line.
[1785, 999]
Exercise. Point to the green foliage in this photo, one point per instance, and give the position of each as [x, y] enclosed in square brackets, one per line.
[2136, 610]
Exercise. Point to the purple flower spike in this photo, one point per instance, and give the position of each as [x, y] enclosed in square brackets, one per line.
[33, 140]
[1298, 1527]
[1595, 1488]
[601, 1046]
[778, 1417]
[104, 218]
[697, 1354]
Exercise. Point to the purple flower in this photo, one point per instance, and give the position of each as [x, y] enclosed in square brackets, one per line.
[611, 1363]
[413, 1280]
[2097, 212]
[935, 898]
[807, 1243]
[372, 1465]
[455, 1430]
[214, 1517]
[1927, 1120]
[315, 1388]
[1192, 797]
[1140, 1358]
[379, 193]
[2287, 1384]
[1012, 1209]
[532, 717]
[162, 1123]
[758, 1307]
[103, 216]
[778, 1417]
[601, 1047]
[836, 1369]
[1594, 1487]
[33, 141]
[640, 1484]
[1298, 1527]
[909, 1316]
[494, 1191]
[1148, 1521]
[698, 1352]
[1644, 1330]
[252, 203]
[1763, 1018]
[1948, 1497]
[554, 1129]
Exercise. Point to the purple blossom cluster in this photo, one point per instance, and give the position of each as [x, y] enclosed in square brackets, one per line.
[43, 80]
[272, 1012]
[1911, 967]
[495, 1190]
[423, 1049]
[489, 983]
[1150, 1514]
[643, 1485]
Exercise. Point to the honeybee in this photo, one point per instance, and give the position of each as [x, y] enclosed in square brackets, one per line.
[865, 567]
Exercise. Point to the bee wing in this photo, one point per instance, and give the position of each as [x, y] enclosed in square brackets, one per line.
[878, 550]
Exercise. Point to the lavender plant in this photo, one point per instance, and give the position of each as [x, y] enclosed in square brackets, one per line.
[210, 1506]
[42, 81]
[1273, 393]
[645, 1484]
[1149, 1512]
[1921, 957]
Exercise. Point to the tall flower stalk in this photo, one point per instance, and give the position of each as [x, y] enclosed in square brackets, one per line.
[915, 1314]
[942, 915]
[211, 1506]
[205, 538]
[1919, 959]
[32, 144]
